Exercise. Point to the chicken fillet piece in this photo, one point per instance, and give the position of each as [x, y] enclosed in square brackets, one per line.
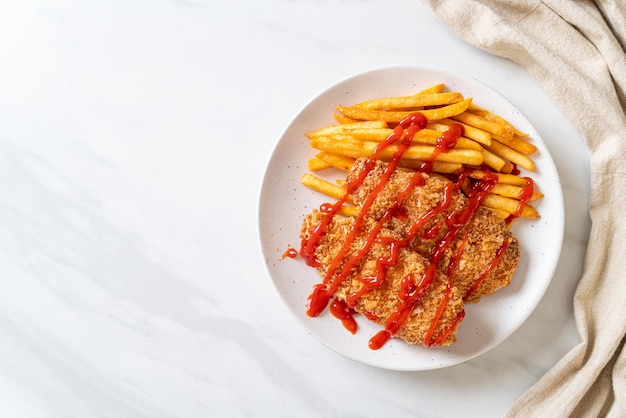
[379, 303]
[474, 247]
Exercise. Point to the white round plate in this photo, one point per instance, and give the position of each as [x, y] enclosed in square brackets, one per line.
[284, 202]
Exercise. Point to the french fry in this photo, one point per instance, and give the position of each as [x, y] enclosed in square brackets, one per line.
[347, 127]
[491, 160]
[479, 122]
[355, 112]
[346, 148]
[509, 129]
[324, 187]
[337, 161]
[509, 205]
[351, 211]
[508, 168]
[374, 134]
[436, 130]
[438, 166]
[423, 136]
[439, 126]
[343, 119]
[512, 155]
[502, 204]
[478, 135]
[502, 178]
[502, 214]
[315, 164]
[424, 152]
[517, 143]
[356, 149]
[415, 101]
[488, 141]
[430, 137]
[513, 192]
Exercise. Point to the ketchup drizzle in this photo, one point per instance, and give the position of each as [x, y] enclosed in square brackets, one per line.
[524, 197]
[442, 306]
[345, 314]
[492, 265]
[412, 124]
[290, 252]
[412, 288]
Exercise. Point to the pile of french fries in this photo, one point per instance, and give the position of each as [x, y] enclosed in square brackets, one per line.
[489, 141]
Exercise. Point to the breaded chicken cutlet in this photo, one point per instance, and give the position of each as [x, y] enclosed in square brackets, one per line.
[379, 303]
[478, 241]
[466, 258]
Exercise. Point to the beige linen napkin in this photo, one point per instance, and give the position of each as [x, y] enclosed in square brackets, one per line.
[575, 52]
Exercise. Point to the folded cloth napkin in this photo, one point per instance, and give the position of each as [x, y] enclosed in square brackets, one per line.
[575, 50]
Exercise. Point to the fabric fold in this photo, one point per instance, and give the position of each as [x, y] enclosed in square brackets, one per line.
[575, 51]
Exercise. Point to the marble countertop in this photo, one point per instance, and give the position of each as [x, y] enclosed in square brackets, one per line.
[133, 139]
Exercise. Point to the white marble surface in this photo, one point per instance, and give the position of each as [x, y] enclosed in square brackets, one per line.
[133, 138]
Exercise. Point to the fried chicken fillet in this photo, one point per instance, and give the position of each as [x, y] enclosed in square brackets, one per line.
[380, 303]
[478, 256]
[477, 242]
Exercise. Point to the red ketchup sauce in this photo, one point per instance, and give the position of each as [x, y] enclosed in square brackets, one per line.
[524, 197]
[492, 265]
[341, 311]
[332, 281]
[412, 288]
[291, 253]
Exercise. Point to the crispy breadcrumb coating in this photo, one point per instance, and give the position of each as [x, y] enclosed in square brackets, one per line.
[480, 238]
[382, 301]
[421, 223]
